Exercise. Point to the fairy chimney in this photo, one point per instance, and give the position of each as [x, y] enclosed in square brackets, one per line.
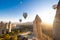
[9, 26]
[37, 30]
[6, 25]
[56, 24]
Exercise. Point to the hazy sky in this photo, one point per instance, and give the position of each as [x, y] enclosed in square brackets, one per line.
[12, 10]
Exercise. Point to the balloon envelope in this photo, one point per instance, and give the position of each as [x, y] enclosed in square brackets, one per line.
[54, 6]
[20, 20]
[25, 15]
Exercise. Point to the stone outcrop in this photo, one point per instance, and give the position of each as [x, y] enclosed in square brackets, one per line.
[9, 26]
[37, 30]
[56, 24]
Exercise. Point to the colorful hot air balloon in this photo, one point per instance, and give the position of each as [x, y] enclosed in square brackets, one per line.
[25, 15]
[20, 20]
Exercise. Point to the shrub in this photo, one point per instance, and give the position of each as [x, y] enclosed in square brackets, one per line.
[14, 37]
[6, 36]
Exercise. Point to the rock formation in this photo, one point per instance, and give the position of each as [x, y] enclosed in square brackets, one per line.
[9, 26]
[56, 24]
[37, 30]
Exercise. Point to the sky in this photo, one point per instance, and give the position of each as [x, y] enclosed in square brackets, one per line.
[12, 10]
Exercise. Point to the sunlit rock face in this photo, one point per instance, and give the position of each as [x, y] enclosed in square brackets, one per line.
[37, 30]
[56, 24]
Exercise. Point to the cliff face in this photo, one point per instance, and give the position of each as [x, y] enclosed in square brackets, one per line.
[56, 24]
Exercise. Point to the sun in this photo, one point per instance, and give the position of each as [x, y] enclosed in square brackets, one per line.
[48, 18]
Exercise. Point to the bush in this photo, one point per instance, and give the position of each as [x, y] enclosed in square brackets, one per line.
[0, 39]
[12, 32]
[6, 36]
[14, 37]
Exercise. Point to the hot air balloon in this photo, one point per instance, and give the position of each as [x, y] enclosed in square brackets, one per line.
[54, 6]
[20, 20]
[25, 15]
